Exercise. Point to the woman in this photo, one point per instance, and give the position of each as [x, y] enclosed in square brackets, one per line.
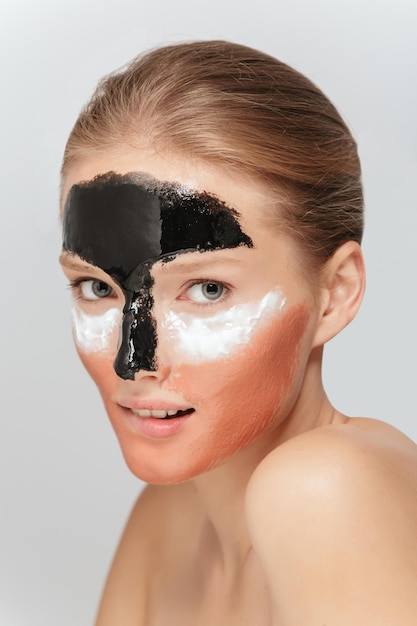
[212, 219]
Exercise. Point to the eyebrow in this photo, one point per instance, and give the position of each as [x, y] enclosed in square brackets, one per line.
[176, 266]
[71, 262]
[183, 266]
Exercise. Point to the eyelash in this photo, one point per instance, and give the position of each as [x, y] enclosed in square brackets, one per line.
[226, 291]
[74, 287]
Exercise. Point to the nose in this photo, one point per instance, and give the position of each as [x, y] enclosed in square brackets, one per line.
[138, 342]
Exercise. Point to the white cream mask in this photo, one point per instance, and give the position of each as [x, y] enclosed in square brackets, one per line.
[198, 339]
[95, 333]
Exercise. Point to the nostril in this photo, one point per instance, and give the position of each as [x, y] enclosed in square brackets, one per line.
[123, 372]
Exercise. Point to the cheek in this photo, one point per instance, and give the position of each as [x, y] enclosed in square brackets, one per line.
[96, 333]
[241, 397]
[100, 366]
[96, 340]
[217, 337]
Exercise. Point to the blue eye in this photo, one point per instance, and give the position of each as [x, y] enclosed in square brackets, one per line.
[207, 291]
[95, 289]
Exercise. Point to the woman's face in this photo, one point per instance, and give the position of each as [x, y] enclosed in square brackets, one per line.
[191, 315]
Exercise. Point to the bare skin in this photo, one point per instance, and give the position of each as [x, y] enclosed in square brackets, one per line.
[309, 522]
[344, 553]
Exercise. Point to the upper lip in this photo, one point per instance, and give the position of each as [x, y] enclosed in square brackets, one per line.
[151, 404]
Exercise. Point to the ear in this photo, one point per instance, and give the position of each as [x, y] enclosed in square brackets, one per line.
[342, 289]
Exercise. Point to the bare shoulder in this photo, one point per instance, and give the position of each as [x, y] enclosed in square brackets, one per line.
[155, 517]
[333, 516]
[359, 445]
[356, 455]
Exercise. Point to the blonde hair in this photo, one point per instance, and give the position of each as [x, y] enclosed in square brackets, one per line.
[238, 108]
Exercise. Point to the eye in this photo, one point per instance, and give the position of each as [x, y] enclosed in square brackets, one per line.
[206, 291]
[94, 289]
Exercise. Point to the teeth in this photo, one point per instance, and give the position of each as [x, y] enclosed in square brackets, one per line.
[149, 413]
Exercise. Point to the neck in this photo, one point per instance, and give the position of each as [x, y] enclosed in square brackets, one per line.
[225, 541]
[222, 490]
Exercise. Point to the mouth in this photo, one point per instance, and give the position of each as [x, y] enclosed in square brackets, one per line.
[164, 415]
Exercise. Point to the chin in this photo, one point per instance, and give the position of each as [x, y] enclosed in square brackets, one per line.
[171, 463]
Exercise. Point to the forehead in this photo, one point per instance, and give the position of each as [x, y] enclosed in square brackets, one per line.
[124, 220]
[236, 188]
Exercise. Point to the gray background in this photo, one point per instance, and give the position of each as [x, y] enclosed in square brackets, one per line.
[65, 492]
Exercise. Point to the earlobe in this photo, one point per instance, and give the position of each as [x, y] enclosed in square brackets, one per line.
[343, 285]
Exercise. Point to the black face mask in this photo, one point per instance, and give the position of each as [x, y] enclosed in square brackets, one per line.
[125, 224]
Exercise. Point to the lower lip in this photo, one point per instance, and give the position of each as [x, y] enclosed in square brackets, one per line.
[155, 428]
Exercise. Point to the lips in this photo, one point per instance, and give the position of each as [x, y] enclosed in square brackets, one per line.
[161, 414]
[158, 408]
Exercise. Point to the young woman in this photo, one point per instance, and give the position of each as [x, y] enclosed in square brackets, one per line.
[212, 219]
